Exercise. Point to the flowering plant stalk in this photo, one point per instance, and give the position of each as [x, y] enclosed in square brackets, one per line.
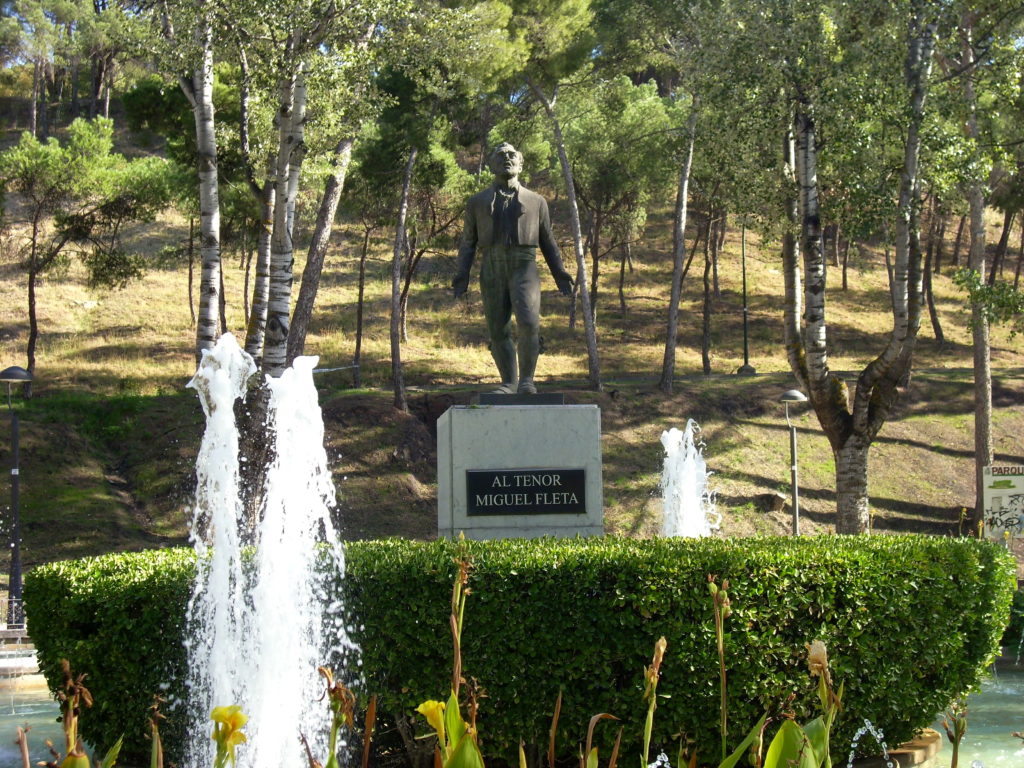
[457, 745]
[72, 696]
[651, 675]
[227, 732]
[722, 610]
[954, 721]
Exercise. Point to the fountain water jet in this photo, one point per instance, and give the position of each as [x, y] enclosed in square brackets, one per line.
[689, 505]
[261, 622]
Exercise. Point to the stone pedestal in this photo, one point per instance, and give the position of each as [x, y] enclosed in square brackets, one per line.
[522, 471]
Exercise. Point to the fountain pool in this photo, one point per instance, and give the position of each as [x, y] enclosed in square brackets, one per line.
[25, 701]
[992, 715]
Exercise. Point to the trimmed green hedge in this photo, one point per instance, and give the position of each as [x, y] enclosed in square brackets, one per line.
[910, 622]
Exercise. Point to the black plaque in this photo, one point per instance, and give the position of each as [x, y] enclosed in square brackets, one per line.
[526, 492]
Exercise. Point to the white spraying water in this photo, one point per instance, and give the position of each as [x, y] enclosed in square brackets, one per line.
[260, 623]
[688, 503]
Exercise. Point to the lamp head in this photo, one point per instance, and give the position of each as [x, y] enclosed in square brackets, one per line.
[15, 375]
[793, 396]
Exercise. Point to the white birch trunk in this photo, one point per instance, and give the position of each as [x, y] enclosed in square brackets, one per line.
[668, 366]
[593, 363]
[979, 321]
[815, 329]
[257, 322]
[852, 511]
[282, 256]
[792, 279]
[207, 322]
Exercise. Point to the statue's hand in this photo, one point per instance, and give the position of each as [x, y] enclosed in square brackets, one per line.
[565, 284]
[460, 284]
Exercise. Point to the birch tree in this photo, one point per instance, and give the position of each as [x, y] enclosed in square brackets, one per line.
[983, 59]
[187, 53]
[852, 422]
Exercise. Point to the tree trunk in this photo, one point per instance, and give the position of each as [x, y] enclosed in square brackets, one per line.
[846, 265]
[415, 255]
[593, 364]
[256, 327]
[812, 250]
[889, 270]
[933, 314]
[715, 247]
[33, 321]
[622, 276]
[792, 281]
[979, 320]
[108, 86]
[75, 105]
[705, 336]
[33, 107]
[595, 253]
[397, 378]
[958, 241]
[222, 308]
[1020, 256]
[1001, 246]
[43, 119]
[668, 365]
[247, 253]
[852, 512]
[192, 267]
[201, 95]
[290, 149]
[940, 245]
[357, 356]
[303, 311]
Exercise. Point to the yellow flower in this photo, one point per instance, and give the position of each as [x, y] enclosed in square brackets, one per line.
[434, 712]
[233, 717]
[227, 732]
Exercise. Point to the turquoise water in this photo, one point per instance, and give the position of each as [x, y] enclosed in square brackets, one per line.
[993, 713]
[35, 708]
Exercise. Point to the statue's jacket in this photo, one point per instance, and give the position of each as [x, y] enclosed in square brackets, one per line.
[534, 227]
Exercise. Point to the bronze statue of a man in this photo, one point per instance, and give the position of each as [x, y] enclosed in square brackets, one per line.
[507, 223]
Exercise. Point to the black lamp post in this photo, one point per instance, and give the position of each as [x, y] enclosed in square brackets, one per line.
[746, 369]
[15, 615]
[793, 396]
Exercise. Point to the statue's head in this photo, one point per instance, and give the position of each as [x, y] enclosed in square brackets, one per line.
[506, 161]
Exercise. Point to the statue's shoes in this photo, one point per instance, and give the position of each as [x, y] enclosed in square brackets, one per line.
[505, 389]
[527, 387]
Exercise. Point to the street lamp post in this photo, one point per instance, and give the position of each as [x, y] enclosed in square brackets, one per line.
[746, 369]
[793, 396]
[15, 615]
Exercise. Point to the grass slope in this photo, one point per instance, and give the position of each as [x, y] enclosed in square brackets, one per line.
[109, 439]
